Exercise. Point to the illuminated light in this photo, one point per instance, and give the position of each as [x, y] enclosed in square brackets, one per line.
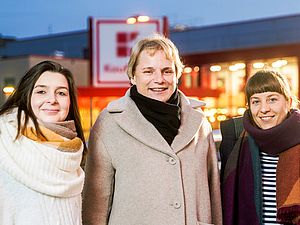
[258, 65]
[213, 111]
[241, 111]
[237, 66]
[212, 119]
[240, 65]
[143, 19]
[207, 112]
[196, 68]
[210, 112]
[279, 63]
[221, 118]
[284, 62]
[187, 70]
[131, 20]
[276, 64]
[8, 90]
[223, 111]
[215, 68]
[233, 68]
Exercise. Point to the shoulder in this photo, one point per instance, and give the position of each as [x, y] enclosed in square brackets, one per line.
[106, 116]
[192, 102]
[116, 106]
[120, 104]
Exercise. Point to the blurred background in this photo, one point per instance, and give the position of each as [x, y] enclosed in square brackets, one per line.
[221, 43]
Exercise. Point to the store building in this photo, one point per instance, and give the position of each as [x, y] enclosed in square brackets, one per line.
[219, 60]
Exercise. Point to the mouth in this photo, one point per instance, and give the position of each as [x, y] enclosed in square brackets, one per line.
[50, 110]
[266, 118]
[158, 89]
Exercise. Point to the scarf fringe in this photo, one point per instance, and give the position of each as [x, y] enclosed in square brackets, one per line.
[288, 213]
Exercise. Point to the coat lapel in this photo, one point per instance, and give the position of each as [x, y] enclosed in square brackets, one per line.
[191, 121]
[134, 123]
[131, 120]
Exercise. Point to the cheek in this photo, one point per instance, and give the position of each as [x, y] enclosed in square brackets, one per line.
[253, 110]
[66, 105]
[34, 104]
[172, 80]
[142, 81]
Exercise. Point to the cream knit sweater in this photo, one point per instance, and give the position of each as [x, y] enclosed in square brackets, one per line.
[39, 183]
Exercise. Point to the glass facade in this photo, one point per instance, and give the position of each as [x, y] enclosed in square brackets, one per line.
[229, 79]
[90, 108]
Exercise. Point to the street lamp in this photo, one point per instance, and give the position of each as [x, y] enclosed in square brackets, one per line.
[135, 19]
[8, 90]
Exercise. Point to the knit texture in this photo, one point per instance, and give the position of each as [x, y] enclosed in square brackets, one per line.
[40, 178]
[242, 183]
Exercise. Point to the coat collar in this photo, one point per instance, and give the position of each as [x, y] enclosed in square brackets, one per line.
[131, 120]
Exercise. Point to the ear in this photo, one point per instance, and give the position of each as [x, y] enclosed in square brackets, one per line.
[290, 102]
[132, 80]
[247, 106]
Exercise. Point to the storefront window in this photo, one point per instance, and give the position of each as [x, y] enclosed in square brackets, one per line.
[229, 79]
[89, 109]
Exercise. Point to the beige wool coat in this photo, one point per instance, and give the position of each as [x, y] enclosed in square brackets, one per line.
[133, 177]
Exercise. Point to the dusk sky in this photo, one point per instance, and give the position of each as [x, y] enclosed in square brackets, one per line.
[31, 18]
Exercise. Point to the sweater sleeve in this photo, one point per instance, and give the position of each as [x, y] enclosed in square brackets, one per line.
[99, 182]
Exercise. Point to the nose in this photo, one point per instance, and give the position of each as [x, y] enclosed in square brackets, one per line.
[52, 98]
[158, 77]
[264, 107]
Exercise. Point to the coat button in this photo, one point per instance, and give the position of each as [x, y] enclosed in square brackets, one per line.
[172, 161]
[176, 205]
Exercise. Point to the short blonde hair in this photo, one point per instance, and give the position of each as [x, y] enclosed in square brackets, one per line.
[152, 44]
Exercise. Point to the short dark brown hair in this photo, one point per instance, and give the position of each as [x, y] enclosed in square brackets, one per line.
[268, 81]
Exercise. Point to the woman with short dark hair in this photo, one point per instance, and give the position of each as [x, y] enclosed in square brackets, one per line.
[261, 177]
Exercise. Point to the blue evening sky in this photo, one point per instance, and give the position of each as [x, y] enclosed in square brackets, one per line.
[30, 18]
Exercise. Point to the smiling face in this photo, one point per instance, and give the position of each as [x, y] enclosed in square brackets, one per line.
[269, 109]
[155, 76]
[50, 100]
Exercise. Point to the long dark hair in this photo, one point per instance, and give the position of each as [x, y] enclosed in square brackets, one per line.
[21, 97]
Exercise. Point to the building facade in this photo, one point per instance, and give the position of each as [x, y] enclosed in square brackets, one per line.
[218, 59]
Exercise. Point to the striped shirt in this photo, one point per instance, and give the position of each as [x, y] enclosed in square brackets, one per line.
[268, 169]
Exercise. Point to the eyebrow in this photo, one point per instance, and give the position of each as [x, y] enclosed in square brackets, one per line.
[148, 67]
[45, 86]
[270, 95]
[151, 67]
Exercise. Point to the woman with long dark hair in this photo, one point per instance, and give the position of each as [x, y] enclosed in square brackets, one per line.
[41, 148]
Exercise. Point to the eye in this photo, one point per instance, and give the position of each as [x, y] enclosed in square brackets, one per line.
[40, 92]
[273, 99]
[254, 102]
[168, 72]
[62, 93]
[148, 72]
